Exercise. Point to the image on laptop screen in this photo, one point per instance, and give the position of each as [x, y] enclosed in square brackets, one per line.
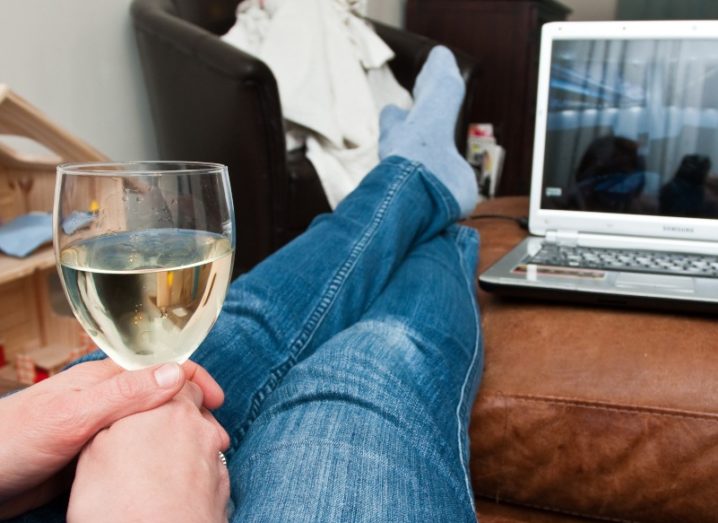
[632, 127]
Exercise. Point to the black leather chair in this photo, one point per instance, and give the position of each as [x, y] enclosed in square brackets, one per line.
[212, 102]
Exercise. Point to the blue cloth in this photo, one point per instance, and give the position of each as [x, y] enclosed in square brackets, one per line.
[350, 360]
[25, 233]
[77, 220]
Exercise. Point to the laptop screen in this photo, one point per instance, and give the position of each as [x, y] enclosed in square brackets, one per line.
[632, 127]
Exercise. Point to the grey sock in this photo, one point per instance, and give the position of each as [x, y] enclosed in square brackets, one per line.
[425, 133]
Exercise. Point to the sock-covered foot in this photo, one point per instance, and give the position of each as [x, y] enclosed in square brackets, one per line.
[426, 132]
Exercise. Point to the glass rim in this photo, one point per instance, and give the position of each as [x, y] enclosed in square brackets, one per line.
[139, 168]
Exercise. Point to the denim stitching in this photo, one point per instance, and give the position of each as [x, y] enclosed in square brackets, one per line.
[461, 408]
[451, 206]
[320, 311]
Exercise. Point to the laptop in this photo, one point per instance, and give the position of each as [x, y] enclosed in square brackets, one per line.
[624, 187]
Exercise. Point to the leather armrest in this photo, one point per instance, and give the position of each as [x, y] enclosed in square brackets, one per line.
[199, 44]
[212, 102]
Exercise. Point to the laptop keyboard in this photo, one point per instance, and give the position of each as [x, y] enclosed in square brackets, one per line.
[627, 260]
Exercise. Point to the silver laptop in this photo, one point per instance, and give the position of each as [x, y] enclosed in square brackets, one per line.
[624, 189]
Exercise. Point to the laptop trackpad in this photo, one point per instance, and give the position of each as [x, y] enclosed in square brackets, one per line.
[634, 280]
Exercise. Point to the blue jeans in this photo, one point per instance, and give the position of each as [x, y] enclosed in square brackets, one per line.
[350, 359]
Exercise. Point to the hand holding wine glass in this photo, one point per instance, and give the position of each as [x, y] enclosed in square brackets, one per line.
[145, 254]
[44, 426]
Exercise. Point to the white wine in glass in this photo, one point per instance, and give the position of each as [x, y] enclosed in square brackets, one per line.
[145, 253]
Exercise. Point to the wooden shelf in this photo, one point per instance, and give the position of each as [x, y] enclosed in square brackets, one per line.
[29, 325]
[12, 268]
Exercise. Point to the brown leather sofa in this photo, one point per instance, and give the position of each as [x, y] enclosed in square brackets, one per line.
[212, 102]
[588, 413]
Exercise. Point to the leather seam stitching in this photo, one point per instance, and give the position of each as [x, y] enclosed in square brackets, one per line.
[623, 409]
[551, 508]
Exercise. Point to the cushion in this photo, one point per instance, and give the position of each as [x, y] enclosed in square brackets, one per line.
[593, 411]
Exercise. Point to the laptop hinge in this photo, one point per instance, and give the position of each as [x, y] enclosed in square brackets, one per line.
[562, 237]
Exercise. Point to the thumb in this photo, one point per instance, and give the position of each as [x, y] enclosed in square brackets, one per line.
[130, 392]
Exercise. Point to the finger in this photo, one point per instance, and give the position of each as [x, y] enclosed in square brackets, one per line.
[90, 372]
[222, 436]
[126, 393]
[213, 393]
[192, 392]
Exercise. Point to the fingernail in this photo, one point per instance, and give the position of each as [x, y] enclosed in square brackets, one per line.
[167, 375]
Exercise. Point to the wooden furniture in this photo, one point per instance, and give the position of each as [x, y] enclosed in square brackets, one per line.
[7, 386]
[504, 35]
[28, 320]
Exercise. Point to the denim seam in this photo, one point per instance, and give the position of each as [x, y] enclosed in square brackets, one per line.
[447, 199]
[461, 408]
[318, 314]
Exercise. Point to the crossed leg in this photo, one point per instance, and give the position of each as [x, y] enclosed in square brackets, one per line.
[324, 281]
[372, 425]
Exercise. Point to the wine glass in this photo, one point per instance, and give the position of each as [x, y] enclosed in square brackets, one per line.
[145, 253]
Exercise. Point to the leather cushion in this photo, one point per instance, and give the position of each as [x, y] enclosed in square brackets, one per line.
[593, 411]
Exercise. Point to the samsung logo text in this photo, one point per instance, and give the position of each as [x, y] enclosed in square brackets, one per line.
[684, 230]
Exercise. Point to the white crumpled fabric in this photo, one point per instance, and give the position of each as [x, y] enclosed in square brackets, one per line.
[333, 78]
